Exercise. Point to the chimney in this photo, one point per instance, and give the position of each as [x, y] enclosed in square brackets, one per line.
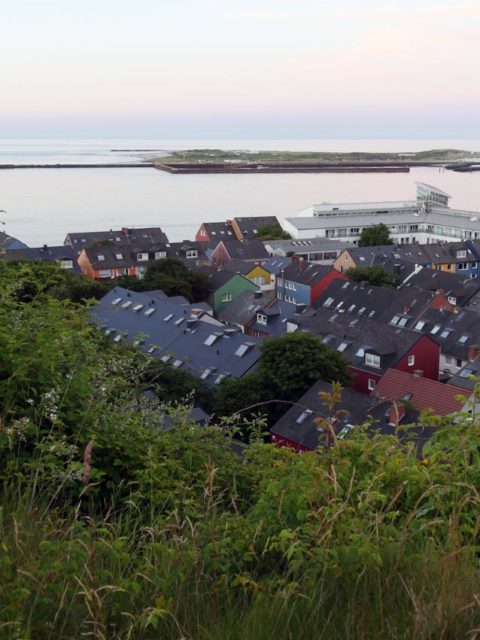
[406, 309]
[473, 351]
[396, 414]
[418, 373]
[44, 248]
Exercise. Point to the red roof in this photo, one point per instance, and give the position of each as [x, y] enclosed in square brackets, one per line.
[421, 392]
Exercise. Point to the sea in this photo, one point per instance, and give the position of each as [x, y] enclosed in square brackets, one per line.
[42, 205]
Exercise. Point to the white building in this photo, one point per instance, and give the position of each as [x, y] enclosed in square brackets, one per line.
[424, 220]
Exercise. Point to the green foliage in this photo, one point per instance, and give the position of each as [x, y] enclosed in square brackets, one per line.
[377, 235]
[173, 277]
[111, 527]
[272, 232]
[287, 368]
[39, 278]
[375, 275]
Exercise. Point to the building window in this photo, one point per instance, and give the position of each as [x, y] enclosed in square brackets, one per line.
[261, 318]
[259, 280]
[66, 264]
[119, 256]
[101, 257]
[461, 254]
[462, 266]
[159, 255]
[142, 257]
[104, 273]
[411, 361]
[371, 384]
[226, 297]
[372, 360]
[192, 253]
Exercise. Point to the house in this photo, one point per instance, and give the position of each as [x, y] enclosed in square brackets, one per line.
[396, 307]
[457, 334]
[457, 289]
[255, 272]
[236, 228]
[224, 286]
[183, 335]
[248, 228]
[10, 243]
[320, 250]
[370, 348]
[388, 255]
[402, 387]
[243, 310]
[215, 231]
[125, 236]
[455, 257]
[298, 427]
[64, 256]
[247, 251]
[113, 261]
[271, 319]
[465, 378]
[303, 282]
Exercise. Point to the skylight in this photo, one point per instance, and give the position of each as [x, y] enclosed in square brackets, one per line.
[328, 302]
[169, 317]
[445, 333]
[402, 322]
[205, 374]
[362, 310]
[116, 301]
[466, 373]
[435, 329]
[117, 338]
[150, 312]
[303, 416]
[342, 346]
[395, 319]
[177, 363]
[152, 350]
[127, 304]
[463, 339]
[137, 307]
[179, 321]
[212, 338]
[119, 256]
[351, 308]
[220, 377]
[243, 348]
[361, 352]
[420, 324]
[165, 358]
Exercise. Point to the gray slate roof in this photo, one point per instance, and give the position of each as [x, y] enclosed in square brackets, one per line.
[176, 333]
[243, 309]
[125, 235]
[45, 254]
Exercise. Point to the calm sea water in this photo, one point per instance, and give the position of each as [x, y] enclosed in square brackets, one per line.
[43, 205]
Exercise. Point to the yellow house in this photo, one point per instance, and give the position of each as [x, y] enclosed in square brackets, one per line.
[261, 277]
[345, 261]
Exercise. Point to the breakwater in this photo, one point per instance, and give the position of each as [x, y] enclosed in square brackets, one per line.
[293, 167]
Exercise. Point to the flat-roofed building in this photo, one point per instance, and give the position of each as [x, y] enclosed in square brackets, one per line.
[424, 220]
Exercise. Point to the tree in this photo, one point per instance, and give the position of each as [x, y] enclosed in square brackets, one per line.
[376, 235]
[293, 362]
[272, 232]
[288, 366]
[375, 275]
[173, 277]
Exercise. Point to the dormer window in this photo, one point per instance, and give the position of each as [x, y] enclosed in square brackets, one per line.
[261, 318]
[192, 253]
[100, 257]
[159, 255]
[303, 416]
[119, 256]
[372, 360]
[142, 257]
[461, 254]
[452, 300]
[328, 302]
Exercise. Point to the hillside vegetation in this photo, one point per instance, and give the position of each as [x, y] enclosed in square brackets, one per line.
[113, 528]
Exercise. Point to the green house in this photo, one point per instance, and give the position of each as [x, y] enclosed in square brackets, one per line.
[231, 289]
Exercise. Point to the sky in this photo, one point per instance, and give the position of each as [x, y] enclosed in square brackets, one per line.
[240, 68]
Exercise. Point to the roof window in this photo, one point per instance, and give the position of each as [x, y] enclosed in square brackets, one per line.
[177, 363]
[150, 312]
[328, 302]
[435, 329]
[303, 416]
[445, 333]
[419, 326]
[119, 256]
[100, 257]
[137, 308]
[169, 317]
[244, 348]
[116, 301]
[466, 373]
[179, 321]
[205, 374]
[463, 339]
[342, 346]
[395, 320]
[165, 358]
[212, 338]
[127, 304]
